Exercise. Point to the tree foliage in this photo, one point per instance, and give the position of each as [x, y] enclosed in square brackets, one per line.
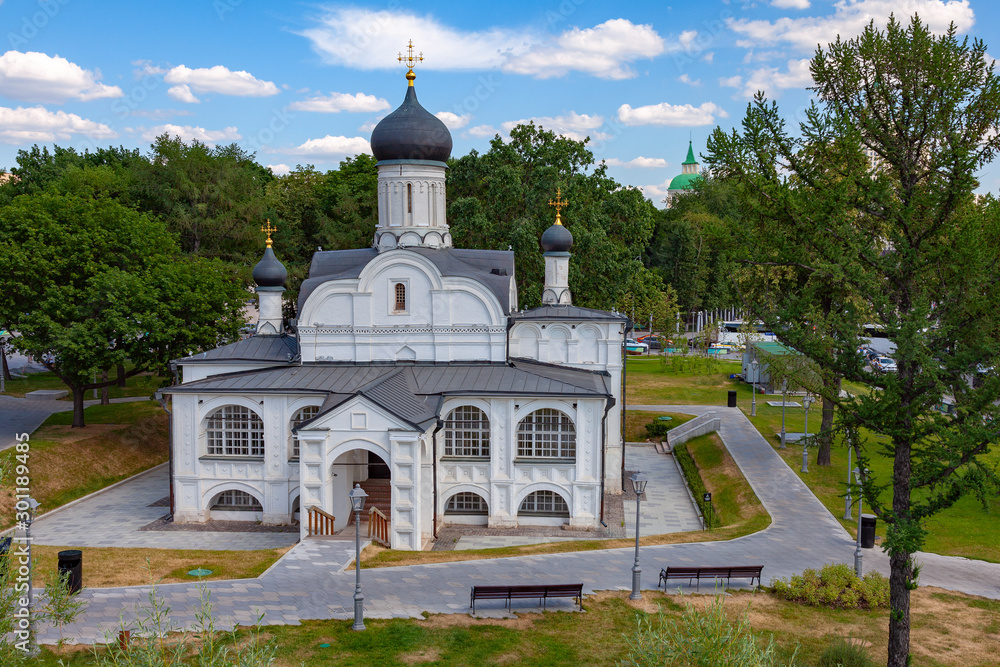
[875, 194]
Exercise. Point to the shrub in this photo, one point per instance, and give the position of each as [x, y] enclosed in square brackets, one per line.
[835, 586]
[657, 428]
[697, 485]
[843, 653]
[699, 639]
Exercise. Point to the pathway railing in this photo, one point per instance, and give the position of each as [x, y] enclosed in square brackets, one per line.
[320, 522]
[378, 526]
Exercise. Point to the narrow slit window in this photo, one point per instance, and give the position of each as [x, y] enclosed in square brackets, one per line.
[409, 198]
[400, 297]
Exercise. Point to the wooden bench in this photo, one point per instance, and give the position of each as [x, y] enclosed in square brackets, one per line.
[541, 591]
[698, 573]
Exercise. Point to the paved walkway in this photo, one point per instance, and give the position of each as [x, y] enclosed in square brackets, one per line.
[310, 583]
[113, 519]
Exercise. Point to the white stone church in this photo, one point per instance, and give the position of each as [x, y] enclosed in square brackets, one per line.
[409, 369]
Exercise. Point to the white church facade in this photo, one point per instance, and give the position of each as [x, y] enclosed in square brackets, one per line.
[410, 369]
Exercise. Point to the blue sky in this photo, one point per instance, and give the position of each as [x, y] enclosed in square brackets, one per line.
[305, 83]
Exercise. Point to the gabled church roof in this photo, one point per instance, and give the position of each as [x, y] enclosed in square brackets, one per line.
[492, 268]
[412, 392]
[277, 349]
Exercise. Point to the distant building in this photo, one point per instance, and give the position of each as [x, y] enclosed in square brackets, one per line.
[411, 371]
[684, 181]
[7, 177]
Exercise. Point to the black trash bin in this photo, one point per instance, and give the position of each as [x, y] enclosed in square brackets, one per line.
[867, 531]
[71, 561]
[732, 398]
[4, 550]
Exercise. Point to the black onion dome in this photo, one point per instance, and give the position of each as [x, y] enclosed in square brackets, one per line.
[269, 272]
[557, 239]
[411, 133]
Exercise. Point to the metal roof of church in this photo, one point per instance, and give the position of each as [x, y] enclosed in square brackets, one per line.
[492, 268]
[566, 312]
[412, 391]
[283, 348]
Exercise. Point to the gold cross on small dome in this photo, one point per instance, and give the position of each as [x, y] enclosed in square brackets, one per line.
[559, 203]
[410, 61]
[268, 229]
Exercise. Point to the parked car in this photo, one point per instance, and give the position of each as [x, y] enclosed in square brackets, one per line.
[653, 341]
[633, 343]
[884, 364]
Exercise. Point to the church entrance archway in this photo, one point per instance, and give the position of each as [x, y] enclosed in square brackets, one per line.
[371, 471]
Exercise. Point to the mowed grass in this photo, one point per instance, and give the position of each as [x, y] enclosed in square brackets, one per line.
[636, 420]
[64, 463]
[105, 567]
[598, 636]
[965, 529]
[733, 501]
[143, 384]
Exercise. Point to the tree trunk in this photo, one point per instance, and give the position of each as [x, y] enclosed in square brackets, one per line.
[121, 375]
[899, 603]
[78, 407]
[3, 361]
[105, 390]
[831, 387]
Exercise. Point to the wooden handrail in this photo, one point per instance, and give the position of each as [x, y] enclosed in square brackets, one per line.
[320, 522]
[378, 526]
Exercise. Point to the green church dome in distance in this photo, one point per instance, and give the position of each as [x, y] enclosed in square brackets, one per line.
[684, 181]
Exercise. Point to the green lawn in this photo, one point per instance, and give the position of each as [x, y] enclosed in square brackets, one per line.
[964, 529]
[143, 384]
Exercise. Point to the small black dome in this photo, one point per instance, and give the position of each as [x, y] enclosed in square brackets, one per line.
[557, 239]
[269, 272]
[411, 133]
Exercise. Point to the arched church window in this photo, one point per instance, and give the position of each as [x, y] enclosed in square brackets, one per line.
[409, 197]
[546, 433]
[234, 430]
[237, 501]
[400, 297]
[466, 503]
[467, 432]
[300, 416]
[544, 503]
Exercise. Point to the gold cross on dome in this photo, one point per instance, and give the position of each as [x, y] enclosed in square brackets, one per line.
[410, 61]
[268, 229]
[559, 204]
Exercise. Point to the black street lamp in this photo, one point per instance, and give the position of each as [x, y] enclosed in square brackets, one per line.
[784, 399]
[638, 485]
[357, 496]
[861, 501]
[753, 396]
[806, 401]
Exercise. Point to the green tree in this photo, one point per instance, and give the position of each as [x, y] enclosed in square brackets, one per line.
[89, 284]
[882, 202]
[500, 200]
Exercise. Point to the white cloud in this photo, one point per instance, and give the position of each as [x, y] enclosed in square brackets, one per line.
[332, 147]
[189, 132]
[337, 102]
[365, 39]
[452, 120]
[182, 93]
[38, 77]
[160, 114]
[684, 78]
[772, 81]
[639, 163]
[708, 57]
[657, 190]
[790, 4]
[573, 125]
[280, 169]
[220, 80]
[483, 131]
[848, 20]
[602, 51]
[38, 124]
[674, 115]
[733, 81]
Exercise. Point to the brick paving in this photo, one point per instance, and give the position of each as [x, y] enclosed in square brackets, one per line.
[312, 582]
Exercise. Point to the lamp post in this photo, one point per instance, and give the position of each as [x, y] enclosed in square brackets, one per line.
[638, 485]
[847, 498]
[753, 396]
[806, 401]
[357, 496]
[784, 399]
[861, 500]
